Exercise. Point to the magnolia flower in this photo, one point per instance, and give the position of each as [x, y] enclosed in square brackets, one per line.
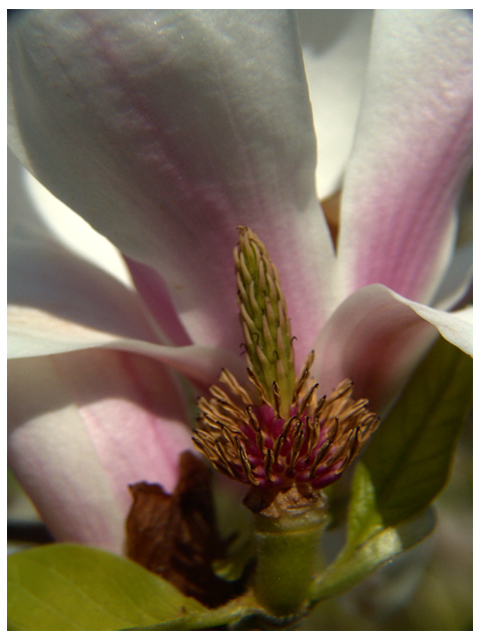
[165, 130]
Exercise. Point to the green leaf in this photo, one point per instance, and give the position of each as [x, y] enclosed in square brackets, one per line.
[355, 564]
[408, 461]
[71, 587]
[405, 467]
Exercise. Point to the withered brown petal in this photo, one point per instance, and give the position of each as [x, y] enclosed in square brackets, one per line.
[175, 535]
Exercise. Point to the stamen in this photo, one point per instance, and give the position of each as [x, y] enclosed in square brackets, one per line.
[306, 401]
[268, 463]
[320, 456]
[234, 386]
[253, 419]
[277, 446]
[245, 463]
[276, 399]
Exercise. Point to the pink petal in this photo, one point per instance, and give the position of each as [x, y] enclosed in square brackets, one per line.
[411, 154]
[376, 338]
[166, 130]
[32, 332]
[85, 425]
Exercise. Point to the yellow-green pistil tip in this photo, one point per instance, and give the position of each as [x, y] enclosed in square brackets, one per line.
[265, 321]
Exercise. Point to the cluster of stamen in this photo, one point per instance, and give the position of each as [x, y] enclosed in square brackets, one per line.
[251, 442]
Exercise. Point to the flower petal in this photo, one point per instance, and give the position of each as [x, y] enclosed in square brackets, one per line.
[376, 338]
[457, 282]
[72, 232]
[165, 130]
[45, 276]
[33, 333]
[85, 425]
[335, 50]
[154, 292]
[411, 154]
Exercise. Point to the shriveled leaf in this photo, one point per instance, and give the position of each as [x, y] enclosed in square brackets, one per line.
[408, 461]
[72, 587]
[175, 536]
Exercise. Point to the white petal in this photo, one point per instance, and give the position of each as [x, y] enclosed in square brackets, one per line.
[457, 281]
[166, 130]
[74, 233]
[335, 50]
[32, 332]
[45, 276]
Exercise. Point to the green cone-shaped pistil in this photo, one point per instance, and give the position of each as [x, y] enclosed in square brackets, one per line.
[265, 322]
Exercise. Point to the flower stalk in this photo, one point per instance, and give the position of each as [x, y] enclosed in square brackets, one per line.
[288, 556]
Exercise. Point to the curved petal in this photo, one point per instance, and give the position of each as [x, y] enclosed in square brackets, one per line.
[44, 276]
[335, 50]
[33, 333]
[167, 129]
[457, 282]
[85, 425]
[23, 220]
[411, 154]
[154, 292]
[72, 232]
[61, 303]
[376, 338]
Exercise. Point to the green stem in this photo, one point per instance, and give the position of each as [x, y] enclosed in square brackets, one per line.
[287, 558]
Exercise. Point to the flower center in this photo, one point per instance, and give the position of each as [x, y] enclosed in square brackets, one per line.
[277, 434]
[252, 443]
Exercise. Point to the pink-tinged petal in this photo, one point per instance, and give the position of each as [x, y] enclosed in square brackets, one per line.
[154, 292]
[85, 425]
[166, 130]
[456, 326]
[45, 276]
[34, 333]
[54, 458]
[335, 47]
[411, 154]
[376, 338]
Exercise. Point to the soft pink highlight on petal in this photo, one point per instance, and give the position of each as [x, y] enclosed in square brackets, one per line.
[83, 426]
[411, 155]
[52, 455]
[136, 416]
